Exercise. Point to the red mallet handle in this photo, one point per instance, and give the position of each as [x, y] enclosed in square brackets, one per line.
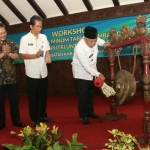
[98, 82]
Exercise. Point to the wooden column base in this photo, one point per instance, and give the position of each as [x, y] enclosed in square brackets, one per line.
[112, 115]
[142, 138]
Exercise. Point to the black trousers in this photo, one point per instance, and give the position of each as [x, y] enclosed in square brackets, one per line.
[12, 92]
[37, 94]
[85, 91]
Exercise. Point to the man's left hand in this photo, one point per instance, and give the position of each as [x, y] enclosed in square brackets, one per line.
[6, 49]
[106, 44]
[48, 58]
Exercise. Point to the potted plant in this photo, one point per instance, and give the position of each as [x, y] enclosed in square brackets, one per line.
[42, 138]
[122, 141]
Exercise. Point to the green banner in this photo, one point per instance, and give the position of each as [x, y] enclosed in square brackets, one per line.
[63, 39]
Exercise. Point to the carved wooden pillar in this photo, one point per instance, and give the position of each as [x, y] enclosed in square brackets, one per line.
[111, 58]
[145, 52]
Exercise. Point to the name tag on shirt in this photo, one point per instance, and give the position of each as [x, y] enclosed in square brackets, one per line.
[90, 55]
[30, 44]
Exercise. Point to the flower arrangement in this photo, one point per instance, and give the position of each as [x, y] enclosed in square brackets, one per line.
[42, 138]
[123, 141]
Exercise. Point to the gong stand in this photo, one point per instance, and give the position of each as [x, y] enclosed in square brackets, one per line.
[125, 87]
[125, 84]
[144, 40]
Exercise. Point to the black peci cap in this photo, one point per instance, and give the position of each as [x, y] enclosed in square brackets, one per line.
[90, 32]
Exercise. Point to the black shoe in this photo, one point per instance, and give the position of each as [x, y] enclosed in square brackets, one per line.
[85, 120]
[36, 123]
[2, 127]
[45, 119]
[93, 115]
[19, 124]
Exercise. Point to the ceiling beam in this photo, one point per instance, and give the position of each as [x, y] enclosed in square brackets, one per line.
[88, 16]
[5, 22]
[88, 4]
[116, 2]
[37, 8]
[62, 7]
[15, 10]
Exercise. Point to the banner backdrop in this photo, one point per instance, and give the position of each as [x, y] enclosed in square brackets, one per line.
[63, 39]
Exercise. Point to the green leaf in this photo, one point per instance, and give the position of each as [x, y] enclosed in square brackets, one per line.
[74, 138]
[49, 148]
[69, 144]
[75, 145]
[38, 141]
[58, 147]
[29, 147]
[11, 146]
[27, 141]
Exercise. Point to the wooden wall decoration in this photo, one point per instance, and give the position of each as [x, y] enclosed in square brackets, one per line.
[60, 73]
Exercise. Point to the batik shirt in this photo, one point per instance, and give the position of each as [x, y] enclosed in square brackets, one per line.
[7, 66]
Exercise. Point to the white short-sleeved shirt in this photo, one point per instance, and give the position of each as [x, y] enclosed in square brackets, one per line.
[29, 44]
[85, 60]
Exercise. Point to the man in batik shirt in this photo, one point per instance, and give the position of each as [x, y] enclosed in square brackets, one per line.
[8, 82]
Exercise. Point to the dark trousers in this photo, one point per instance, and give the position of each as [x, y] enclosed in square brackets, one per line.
[37, 93]
[85, 91]
[12, 92]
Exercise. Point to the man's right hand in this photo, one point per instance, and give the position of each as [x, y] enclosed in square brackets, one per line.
[6, 49]
[102, 77]
[38, 53]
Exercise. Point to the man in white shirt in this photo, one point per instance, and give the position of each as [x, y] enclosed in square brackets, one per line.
[34, 49]
[85, 70]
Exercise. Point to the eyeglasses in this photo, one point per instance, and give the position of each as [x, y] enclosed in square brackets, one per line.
[3, 33]
[38, 26]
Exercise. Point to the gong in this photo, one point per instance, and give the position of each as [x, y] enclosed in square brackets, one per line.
[125, 87]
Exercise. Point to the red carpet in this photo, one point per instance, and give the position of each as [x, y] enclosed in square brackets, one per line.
[64, 110]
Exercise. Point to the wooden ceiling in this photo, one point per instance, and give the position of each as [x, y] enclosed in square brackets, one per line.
[19, 11]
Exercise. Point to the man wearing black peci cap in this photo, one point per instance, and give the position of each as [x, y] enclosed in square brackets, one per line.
[84, 70]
